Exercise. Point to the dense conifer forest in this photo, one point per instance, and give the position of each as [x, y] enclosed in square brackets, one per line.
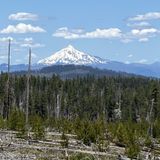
[124, 110]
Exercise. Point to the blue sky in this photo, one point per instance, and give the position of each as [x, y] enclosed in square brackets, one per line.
[121, 30]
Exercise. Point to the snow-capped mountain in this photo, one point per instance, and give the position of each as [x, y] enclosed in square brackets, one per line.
[70, 55]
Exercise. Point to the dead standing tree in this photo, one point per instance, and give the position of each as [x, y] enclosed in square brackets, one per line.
[28, 92]
[58, 106]
[7, 108]
[151, 114]
[118, 110]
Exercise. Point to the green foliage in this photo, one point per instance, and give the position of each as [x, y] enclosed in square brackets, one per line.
[132, 150]
[42, 159]
[50, 123]
[16, 120]
[81, 156]
[64, 141]
[86, 97]
[148, 142]
[126, 135]
[132, 146]
[21, 126]
[66, 125]
[87, 106]
[156, 128]
[2, 123]
[13, 119]
[38, 127]
[102, 144]
[86, 132]
[121, 134]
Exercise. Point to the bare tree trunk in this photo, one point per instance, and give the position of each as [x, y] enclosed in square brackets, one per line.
[7, 110]
[150, 120]
[58, 107]
[28, 92]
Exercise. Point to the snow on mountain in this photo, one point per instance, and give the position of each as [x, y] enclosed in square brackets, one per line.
[70, 55]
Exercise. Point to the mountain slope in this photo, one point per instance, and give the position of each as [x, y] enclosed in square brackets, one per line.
[70, 55]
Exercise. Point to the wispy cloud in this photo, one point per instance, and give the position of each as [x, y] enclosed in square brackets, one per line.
[143, 39]
[23, 16]
[33, 45]
[126, 39]
[139, 24]
[142, 35]
[127, 62]
[28, 39]
[29, 42]
[130, 56]
[5, 39]
[142, 61]
[139, 34]
[141, 30]
[147, 16]
[22, 28]
[18, 60]
[98, 33]
[145, 32]
[2, 57]
[34, 56]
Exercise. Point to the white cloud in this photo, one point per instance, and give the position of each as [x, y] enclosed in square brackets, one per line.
[98, 33]
[139, 24]
[28, 39]
[18, 60]
[65, 33]
[145, 32]
[147, 16]
[23, 16]
[104, 33]
[130, 56]
[17, 50]
[29, 42]
[127, 62]
[143, 40]
[142, 35]
[2, 57]
[126, 39]
[142, 61]
[6, 39]
[142, 30]
[78, 30]
[22, 28]
[33, 45]
[33, 56]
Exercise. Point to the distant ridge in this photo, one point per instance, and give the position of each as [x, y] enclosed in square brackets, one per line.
[72, 56]
[73, 71]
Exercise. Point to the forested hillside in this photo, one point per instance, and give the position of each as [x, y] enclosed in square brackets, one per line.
[73, 71]
[119, 109]
[97, 96]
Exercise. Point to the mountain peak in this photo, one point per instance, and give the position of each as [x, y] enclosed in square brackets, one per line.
[70, 47]
[70, 55]
[69, 50]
